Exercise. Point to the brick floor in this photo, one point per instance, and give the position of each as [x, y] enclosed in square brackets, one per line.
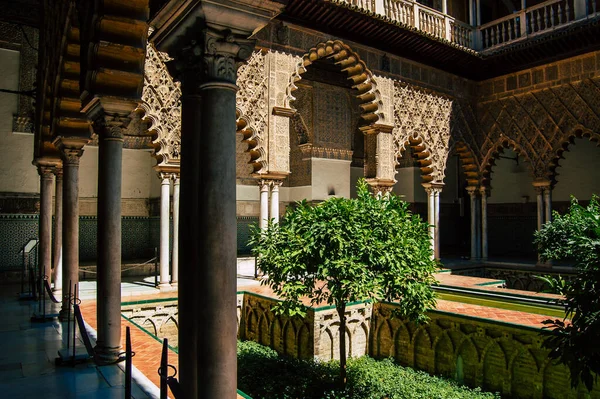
[147, 349]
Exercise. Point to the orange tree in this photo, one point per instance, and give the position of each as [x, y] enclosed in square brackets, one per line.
[346, 250]
[575, 236]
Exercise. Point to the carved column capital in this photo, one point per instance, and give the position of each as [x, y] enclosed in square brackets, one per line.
[110, 127]
[433, 188]
[210, 56]
[484, 191]
[473, 191]
[58, 172]
[264, 184]
[275, 184]
[71, 149]
[46, 172]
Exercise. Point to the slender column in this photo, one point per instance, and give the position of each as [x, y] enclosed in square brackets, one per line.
[436, 221]
[45, 222]
[110, 156]
[445, 7]
[540, 206]
[484, 234]
[275, 200]
[431, 216]
[547, 204]
[264, 203]
[165, 202]
[58, 224]
[478, 7]
[175, 260]
[208, 74]
[71, 154]
[473, 195]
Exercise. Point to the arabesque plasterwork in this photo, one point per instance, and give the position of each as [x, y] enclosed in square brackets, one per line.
[424, 118]
[161, 102]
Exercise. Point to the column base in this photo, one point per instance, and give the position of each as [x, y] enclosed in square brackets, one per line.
[174, 285]
[64, 315]
[165, 287]
[107, 355]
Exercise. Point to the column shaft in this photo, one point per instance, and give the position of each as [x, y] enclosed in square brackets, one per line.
[431, 218]
[191, 145]
[473, 197]
[70, 227]
[175, 260]
[57, 243]
[547, 204]
[540, 207]
[264, 204]
[216, 306]
[165, 193]
[484, 234]
[436, 220]
[275, 201]
[110, 156]
[45, 223]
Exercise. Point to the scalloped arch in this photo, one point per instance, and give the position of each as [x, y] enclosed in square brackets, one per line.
[578, 132]
[494, 152]
[349, 62]
[468, 161]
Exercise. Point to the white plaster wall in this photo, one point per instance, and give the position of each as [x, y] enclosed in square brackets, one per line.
[330, 174]
[251, 193]
[511, 182]
[17, 173]
[293, 194]
[136, 175]
[409, 185]
[450, 191]
[579, 172]
[355, 174]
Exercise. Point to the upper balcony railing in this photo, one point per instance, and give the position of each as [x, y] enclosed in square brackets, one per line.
[520, 25]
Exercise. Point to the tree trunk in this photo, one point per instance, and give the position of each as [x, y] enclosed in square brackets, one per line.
[341, 309]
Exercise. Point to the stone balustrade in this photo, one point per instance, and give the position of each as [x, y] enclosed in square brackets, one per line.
[529, 22]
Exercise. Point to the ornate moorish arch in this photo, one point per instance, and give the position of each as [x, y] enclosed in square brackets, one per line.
[578, 132]
[422, 119]
[493, 153]
[469, 162]
[161, 105]
[375, 96]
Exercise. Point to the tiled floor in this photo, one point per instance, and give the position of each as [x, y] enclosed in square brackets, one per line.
[27, 354]
[28, 349]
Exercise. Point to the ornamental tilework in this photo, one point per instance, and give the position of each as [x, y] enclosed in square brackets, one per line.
[15, 232]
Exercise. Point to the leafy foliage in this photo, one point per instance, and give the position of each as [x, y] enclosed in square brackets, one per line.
[345, 250]
[264, 374]
[576, 236]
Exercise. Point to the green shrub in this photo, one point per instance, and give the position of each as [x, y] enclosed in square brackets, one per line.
[262, 373]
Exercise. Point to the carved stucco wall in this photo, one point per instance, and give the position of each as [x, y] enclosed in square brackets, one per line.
[499, 357]
[161, 103]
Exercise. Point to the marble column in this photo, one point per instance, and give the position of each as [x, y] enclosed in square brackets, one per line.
[57, 243]
[165, 205]
[208, 366]
[275, 200]
[431, 216]
[110, 156]
[436, 221]
[540, 206]
[175, 259]
[474, 242]
[484, 233]
[547, 204]
[71, 152]
[264, 203]
[45, 222]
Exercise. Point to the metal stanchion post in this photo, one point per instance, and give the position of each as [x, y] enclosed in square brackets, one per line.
[69, 317]
[164, 364]
[127, 364]
[155, 267]
[74, 321]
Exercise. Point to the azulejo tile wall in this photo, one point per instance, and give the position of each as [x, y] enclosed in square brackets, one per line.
[140, 235]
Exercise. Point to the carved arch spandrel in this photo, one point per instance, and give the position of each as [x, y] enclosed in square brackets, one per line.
[579, 132]
[161, 105]
[494, 152]
[469, 162]
[422, 119]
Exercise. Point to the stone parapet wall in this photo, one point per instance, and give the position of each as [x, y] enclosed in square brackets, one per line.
[497, 356]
